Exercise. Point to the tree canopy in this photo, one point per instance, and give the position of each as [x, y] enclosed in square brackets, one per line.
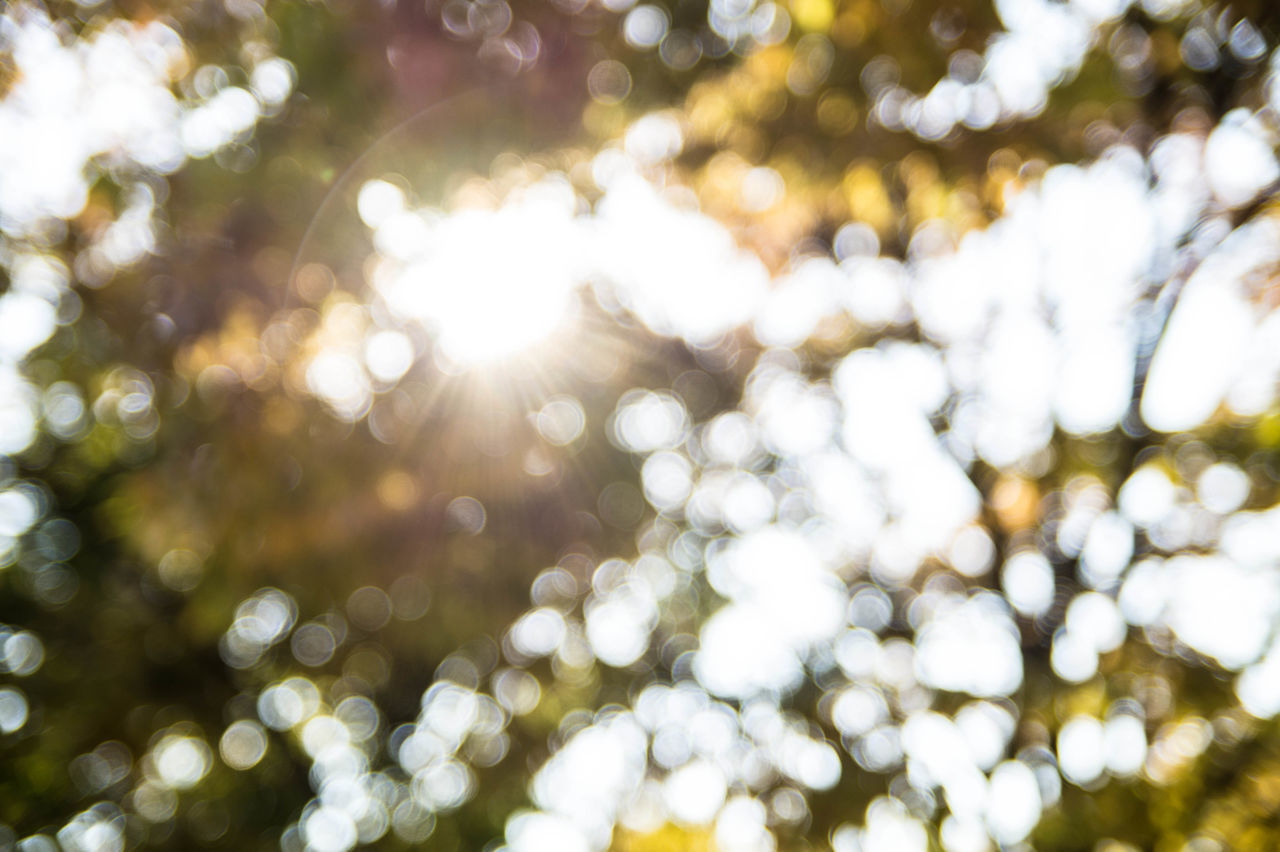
[585, 425]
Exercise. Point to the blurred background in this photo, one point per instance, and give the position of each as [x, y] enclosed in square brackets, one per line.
[585, 425]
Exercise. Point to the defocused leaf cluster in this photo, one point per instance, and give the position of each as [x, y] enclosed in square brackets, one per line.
[194, 465]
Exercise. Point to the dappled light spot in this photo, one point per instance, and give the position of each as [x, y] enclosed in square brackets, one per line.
[971, 647]
[21, 652]
[14, 709]
[180, 761]
[1081, 750]
[283, 705]
[561, 420]
[242, 744]
[466, 515]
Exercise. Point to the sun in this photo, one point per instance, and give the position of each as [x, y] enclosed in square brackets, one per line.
[488, 284]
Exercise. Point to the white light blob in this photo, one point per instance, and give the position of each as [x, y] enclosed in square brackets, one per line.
[1223, 488]
[1209, 331]
[516, 690]
[971, 647]
[741, 827]
[272, 80]
[329, 829]
[538, 832]
[1107, 550]
[784, 600]
[1258, 688]
[741, 653]
[986, 729]
[1082, 750]
[797, 303]
[645, 26]
[13, 709]
[971, 551]
[1028, 582]
[1222, 609]
[645, 421]
[961, 835]
[618, 625]
[695, 792]
[795, 417]
[1144, 593]
[26, 321]
[1125, 744]
[1147, 496]
[1239, 159]
[388, 355]
[538, 633]
[18, 512]
[1096, 619]
[654, 139]
[181, 761]
[340, 380]
[288, 703]
[698, 286]
[1074, 657]
[101, 828]
[18, 410]
[857, 710]
[876, 292]
[589, 780]
[891, 829]
[243, 744]
[21, 653]
[321, 732]
[667, 480]
[1014, 803]
[888, 394]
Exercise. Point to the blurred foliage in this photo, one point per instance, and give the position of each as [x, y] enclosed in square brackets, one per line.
[251, 474]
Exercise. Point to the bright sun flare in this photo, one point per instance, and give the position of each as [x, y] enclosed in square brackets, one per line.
[487, 283]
